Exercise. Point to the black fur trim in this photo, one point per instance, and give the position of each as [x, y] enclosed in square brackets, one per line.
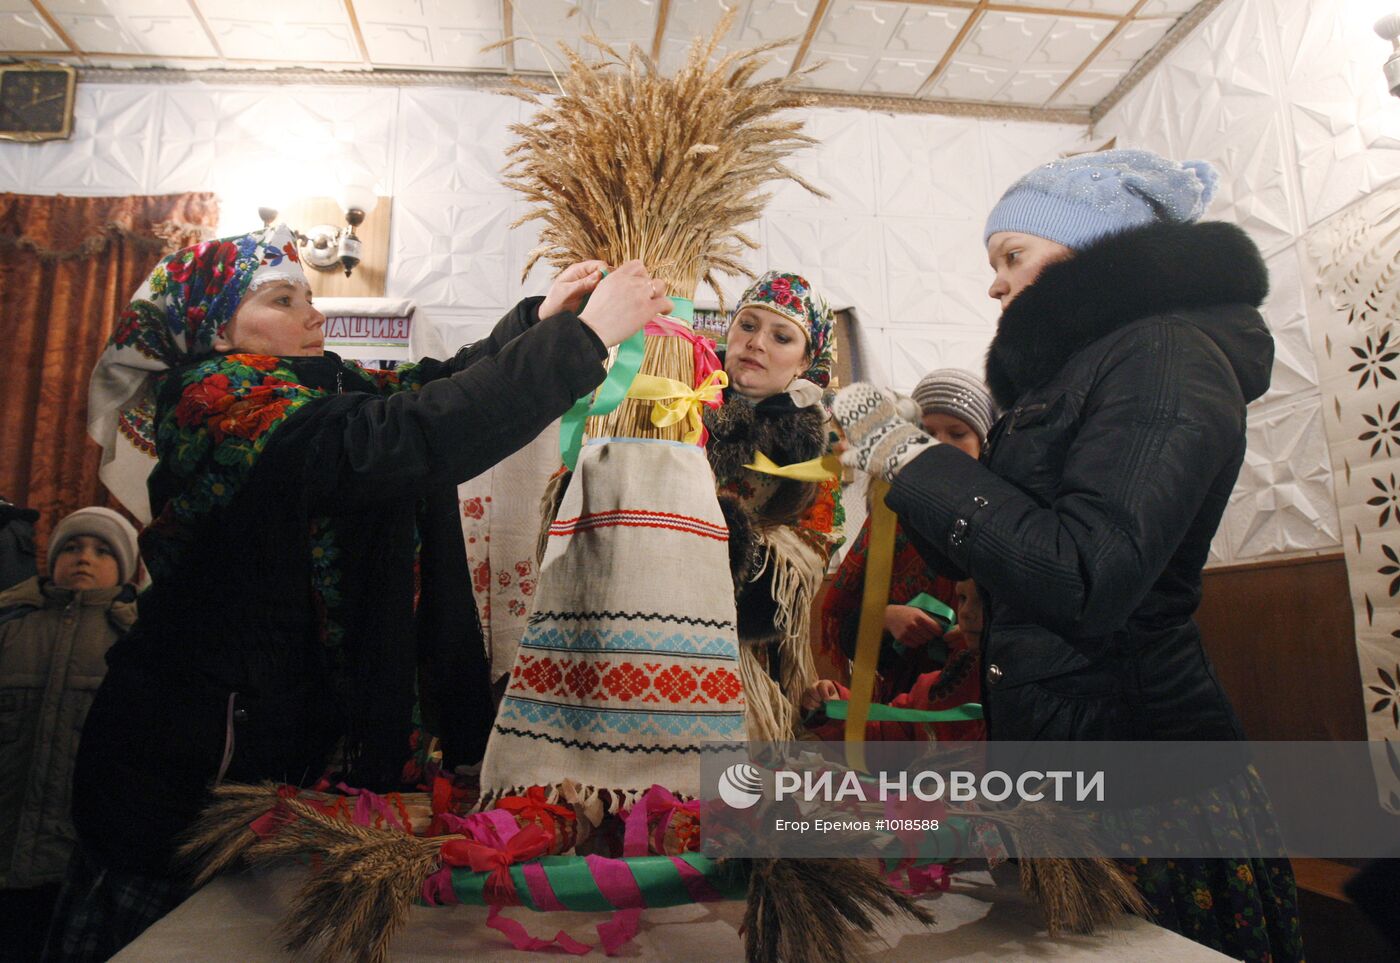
[1147, 271]
[782, 431]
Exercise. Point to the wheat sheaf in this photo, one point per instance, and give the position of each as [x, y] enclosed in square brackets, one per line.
[622, 162]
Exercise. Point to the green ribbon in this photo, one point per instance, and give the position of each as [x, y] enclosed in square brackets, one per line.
[614, 387]
[967, 712]
[935, 608]
[604, 400]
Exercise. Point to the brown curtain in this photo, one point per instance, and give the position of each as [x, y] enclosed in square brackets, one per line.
[68, 265]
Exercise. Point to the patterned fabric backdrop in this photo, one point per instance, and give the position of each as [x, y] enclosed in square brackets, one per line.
[501, 526]
[1354, 262]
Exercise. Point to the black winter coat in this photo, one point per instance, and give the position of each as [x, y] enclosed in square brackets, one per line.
[227, 667]
[1124, 373]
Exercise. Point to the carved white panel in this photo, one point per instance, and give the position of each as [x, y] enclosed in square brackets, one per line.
[927, 32]
[104, 34]
[778, 61]
[21, 28]
[1144, 118]
[1012, 149]
[169, 36]
[451, 250]
[88, 8]
[842, 163]
[454, 140]
[917, 155]
[1016, 38]
[915, 355]
[14, 166]
[1283, 501]
[840, 255]
[1227, 113]
[152, 8]
[756, 261]
[1132, 43]
[971, 80]
[1090, 87]
[838, 70]
[278, 143]
[936, 274]
[1034, 85]
[466, 48]
[1346, 127]
[859, 24]
[110, 147]
[897, 76]
[1295, 364]
[290, 42]
[568, 21]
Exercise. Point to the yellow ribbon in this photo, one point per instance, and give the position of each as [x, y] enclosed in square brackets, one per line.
[879, 566]
[674, 401]
[825, 468]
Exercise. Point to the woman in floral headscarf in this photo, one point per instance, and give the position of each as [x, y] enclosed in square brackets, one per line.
[291, 495]
[779, 352]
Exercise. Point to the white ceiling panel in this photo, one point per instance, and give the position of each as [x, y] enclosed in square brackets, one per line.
[897, 77]
[465, 48]
[1092, 86]
[151, 8]
[868, 26]
[291, 42]
[90, 8]
[838, 70]
[927, 32]
[1060, 56]
[1132, 43]
[24, 29]
[971, 81]
[104, 34]
[170, 36]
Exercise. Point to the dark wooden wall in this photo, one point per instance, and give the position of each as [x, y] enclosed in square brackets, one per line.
[1282, 639]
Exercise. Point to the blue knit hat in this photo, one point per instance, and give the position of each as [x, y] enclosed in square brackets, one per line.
[1080, 199]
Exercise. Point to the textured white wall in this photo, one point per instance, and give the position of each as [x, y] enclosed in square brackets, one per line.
[1287, 99]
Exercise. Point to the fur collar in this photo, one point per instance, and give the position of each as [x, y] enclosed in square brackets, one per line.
[1148, 271]
[775, 426]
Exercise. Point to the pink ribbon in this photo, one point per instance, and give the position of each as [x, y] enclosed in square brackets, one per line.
[522, 940]
[657, 805]
[530, 842]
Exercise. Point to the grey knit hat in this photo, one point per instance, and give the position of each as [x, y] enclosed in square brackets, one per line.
[1078, 200]
[101, 523]
[953, 391]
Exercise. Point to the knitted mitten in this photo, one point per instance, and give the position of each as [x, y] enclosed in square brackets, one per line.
[880, 441]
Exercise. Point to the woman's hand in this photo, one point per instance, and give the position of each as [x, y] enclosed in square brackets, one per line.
[879, 440]
[819, 694]
[623, 302]
[571, 286]
[912, 628]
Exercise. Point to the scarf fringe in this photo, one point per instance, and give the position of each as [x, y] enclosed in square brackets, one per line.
[797, 575]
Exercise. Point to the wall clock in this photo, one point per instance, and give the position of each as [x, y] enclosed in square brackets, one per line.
[36, 101]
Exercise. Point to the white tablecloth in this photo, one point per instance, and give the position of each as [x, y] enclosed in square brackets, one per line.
[983, 917]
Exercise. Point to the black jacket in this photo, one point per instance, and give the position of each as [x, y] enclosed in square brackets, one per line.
[230, 654]
[1124, 373]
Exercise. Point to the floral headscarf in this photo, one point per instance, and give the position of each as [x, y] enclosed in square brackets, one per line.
[174, 317]
[792, 297]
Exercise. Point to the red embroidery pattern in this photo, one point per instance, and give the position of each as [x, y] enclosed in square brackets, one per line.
[638, 518]
[625, 682]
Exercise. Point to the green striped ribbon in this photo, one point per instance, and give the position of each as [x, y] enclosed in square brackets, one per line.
[573, 884]
[967, 712]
